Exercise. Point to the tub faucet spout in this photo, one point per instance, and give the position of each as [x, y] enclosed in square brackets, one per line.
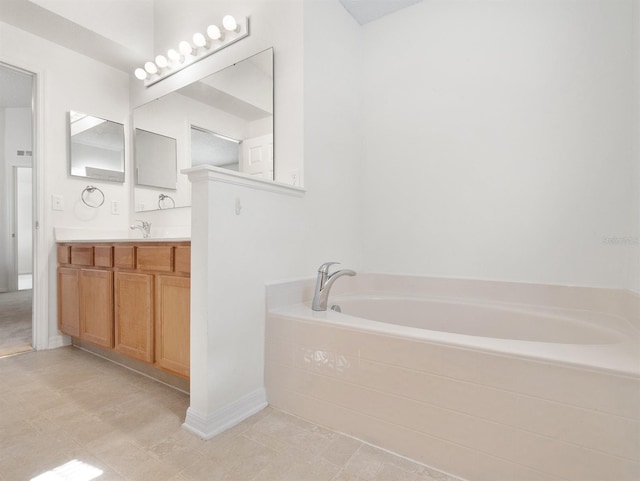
[324, 283]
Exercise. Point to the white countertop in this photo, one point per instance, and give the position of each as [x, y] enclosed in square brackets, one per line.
[70, 234]
[130, 239]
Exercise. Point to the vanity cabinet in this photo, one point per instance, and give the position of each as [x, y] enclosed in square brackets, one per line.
[134, 315]
[69, 301]
[133, 298]
[173, 299]
[96, 307]
[85, 304]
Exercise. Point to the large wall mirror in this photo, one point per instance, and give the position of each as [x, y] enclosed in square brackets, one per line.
[96, 147]
[224, 120]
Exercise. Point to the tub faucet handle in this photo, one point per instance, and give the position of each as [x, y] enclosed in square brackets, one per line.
[324, 268]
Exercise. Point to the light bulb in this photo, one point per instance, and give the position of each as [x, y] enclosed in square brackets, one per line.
[199, 40]
[161, 61]
[140, 74]
[150, 67]
[185, 47]
[229, 23]
[214, 32]
[173, 55]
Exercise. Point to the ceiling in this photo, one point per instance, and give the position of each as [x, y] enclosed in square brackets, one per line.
[365, 11]
[117, 32]
[107, 46]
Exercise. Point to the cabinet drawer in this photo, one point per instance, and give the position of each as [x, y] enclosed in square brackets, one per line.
[64, 254]
[124, 257]
[82, 255]
[155, 258]
[103, 256]
[183, 259]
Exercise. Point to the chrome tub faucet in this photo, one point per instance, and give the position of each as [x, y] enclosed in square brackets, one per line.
[324, 283]
[144, 227]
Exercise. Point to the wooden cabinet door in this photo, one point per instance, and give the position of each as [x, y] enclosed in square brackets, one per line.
[173, 314]
[134, 315]
[96, 306]
[69, 301]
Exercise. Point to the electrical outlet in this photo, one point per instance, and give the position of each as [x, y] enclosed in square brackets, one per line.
[57, 202]
[115, 207]
[295, 177]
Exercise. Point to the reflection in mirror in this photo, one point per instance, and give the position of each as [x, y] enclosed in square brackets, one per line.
[96, 148]
[209, 148]
[225, 119]
[156, 164]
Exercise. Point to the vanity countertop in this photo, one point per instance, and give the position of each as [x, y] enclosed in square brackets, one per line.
[75, 235]
[135, 240]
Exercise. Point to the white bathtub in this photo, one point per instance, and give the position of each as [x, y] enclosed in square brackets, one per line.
[490, 320]
[484, 380]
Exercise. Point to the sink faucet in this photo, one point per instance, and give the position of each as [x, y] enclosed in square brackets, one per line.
[143, 226]
[324, 283]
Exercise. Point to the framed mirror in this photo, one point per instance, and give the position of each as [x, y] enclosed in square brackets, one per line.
[224, 120]
[96, 148]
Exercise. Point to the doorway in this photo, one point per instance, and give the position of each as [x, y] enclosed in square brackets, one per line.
[16, 211]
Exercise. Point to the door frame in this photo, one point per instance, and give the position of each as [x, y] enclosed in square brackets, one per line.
[40, 303]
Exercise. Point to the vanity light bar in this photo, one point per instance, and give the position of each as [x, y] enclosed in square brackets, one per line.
[187, 53]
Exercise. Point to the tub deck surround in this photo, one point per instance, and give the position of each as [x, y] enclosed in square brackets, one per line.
[602, 341]
[483, 408]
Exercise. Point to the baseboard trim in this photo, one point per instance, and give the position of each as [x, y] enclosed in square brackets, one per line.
[58, 341]
[206, 427]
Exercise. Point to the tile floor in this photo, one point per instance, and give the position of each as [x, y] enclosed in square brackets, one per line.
[63, 405]
[15, 322]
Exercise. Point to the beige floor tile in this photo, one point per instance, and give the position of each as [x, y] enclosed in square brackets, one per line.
[318, 470]
[345, 476]
[364, 463]
[130, 427]
[341, 449]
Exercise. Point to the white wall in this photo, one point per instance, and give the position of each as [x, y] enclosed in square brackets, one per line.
[128, 23]
[498, 141]
[24, 219]
[332, 134]
[277, 236]
[634, 262]
[273, 23]
[69, 81]
[4, 284]
[17, 137]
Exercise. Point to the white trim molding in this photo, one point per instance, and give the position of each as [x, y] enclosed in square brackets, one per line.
[206, 427]
[57, 341]
[217, 174]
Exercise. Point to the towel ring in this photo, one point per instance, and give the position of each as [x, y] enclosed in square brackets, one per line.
[162, 198]
[90, 189]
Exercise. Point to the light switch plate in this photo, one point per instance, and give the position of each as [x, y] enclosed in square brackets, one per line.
[57, 202]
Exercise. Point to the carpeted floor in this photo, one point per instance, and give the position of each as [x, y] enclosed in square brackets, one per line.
[15, 322]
